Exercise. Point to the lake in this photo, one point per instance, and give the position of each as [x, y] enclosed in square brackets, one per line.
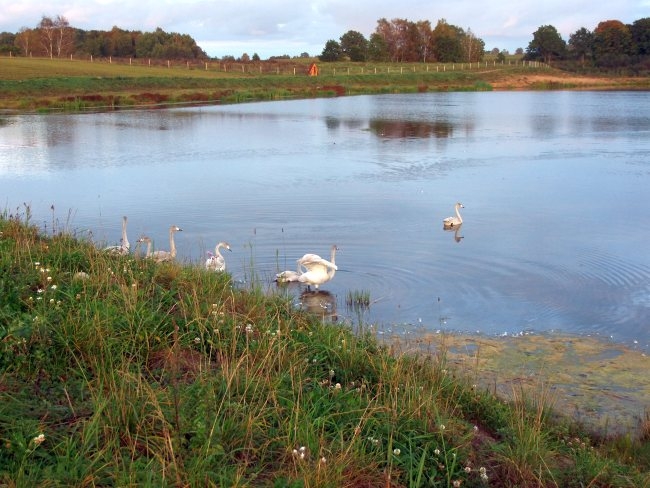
[555, 188]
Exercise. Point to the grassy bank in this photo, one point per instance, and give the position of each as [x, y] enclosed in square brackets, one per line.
[28, 84]
[115, 371]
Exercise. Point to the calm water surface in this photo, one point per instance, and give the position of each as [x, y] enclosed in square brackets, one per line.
[555, 188]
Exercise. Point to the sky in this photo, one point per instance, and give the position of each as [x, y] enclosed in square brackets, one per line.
[292, 27]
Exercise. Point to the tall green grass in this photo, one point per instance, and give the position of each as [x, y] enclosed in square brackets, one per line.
[116, 371]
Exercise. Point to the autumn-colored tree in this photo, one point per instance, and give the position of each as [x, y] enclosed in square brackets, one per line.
[56, 36]
[409, 40]
[612, 43]
[386, 31]
[25, 40]
[546, 44]
[46, 30]
[473, 47]
[62, 36]
[120, 43]
[425, 38]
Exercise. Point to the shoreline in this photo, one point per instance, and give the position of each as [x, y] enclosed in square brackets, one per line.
[602, 385]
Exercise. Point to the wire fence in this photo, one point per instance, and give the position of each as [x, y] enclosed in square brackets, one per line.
[291, 67]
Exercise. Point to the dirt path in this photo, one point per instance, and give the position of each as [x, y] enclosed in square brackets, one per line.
[539, 81]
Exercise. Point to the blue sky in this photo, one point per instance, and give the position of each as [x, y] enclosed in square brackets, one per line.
[277, 27]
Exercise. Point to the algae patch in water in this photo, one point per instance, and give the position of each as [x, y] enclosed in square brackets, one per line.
[604, 386]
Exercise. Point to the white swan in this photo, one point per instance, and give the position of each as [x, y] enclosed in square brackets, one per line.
[216, 261]
[318, 270]
[162, 256]
[454, 221]
[288, 276]
[310, 263]
[148, 241]
[124, 247]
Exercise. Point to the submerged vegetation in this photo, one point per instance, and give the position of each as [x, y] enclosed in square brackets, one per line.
[116, 371]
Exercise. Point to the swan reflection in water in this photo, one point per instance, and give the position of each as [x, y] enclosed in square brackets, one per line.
[321, 303]
[456, 230]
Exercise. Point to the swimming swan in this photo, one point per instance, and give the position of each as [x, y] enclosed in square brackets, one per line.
[318, 270]
[123, 248]
[216, 261]
[162, 256]
[454, 221]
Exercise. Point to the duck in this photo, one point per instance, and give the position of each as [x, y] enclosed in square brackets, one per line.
[216, 261]
[163, 256]
[454, 221]
[124, 247]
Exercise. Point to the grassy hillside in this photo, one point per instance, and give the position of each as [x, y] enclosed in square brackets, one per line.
[116, 371]
[28, 84]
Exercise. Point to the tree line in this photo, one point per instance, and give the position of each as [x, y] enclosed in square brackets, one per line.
[611, 45]
[54, 37]
[402, 40]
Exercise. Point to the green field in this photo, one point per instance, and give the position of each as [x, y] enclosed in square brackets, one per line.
[28, 84]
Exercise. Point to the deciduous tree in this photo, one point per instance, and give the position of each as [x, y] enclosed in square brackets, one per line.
[612, 43]
[447, 42]
[331, 51]
[640, 30]
[581, 44]
[546, 44]
[377, 48]
[354, 45]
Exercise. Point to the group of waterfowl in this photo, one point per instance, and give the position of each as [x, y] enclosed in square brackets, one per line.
[312, 269]
[215, 261]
